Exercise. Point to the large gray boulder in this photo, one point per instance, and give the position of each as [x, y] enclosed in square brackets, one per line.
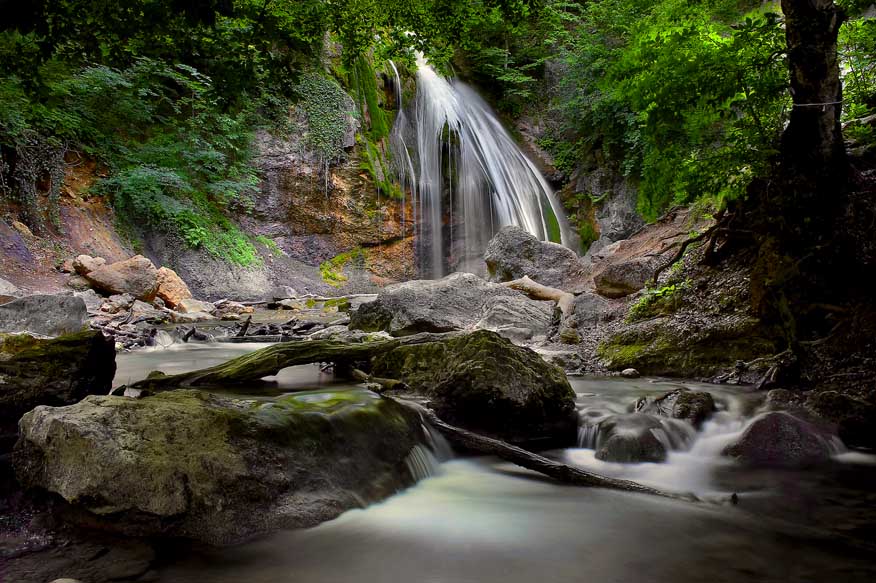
[192, 464]
[590, 310]
[627, 277]
[56, 371]
[136, 276]
[778, 438]
[43, 315]
[637, 437]
[457, 302]
[483, 382]
[516, 317]
[513, 252]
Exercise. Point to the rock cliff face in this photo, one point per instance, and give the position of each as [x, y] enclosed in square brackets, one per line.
[314, 230]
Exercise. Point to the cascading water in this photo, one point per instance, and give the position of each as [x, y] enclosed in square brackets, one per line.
[466, 169]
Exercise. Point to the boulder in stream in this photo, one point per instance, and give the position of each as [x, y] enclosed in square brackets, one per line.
[638, 437]
[778, 438]
[483, 382]
[691, 406]
[51, 371]
[220, 470]
[457, 302]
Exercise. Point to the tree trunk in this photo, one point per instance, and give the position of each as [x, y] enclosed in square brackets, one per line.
[796, 210]
[812, 145]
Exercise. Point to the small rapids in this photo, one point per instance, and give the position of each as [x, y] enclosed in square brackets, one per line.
[424, 461]
[483, 520]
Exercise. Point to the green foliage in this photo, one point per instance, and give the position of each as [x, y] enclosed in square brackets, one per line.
[656, 301]
[365, 81]
[689, 103]
[857, 47]
[327, 107]
[332, 271]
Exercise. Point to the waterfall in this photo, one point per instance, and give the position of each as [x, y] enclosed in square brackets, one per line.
[467, 169]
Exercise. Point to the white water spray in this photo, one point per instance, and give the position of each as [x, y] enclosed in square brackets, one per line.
[469, 170]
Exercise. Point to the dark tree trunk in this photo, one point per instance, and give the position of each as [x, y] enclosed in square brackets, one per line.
[795, 211]
[812, 145]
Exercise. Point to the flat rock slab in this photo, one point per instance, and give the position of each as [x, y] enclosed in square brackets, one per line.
[43, 315]
[457, 302]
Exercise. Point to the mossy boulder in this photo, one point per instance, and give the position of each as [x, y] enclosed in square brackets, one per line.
[691, 406]
[193, 464]
[483, 382]
[50, 371]
[692, 346]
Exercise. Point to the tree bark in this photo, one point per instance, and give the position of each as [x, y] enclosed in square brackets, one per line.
[812, 144]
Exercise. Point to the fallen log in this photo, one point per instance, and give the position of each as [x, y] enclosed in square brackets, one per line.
[536, 291]
[271, 360]
[561, 472]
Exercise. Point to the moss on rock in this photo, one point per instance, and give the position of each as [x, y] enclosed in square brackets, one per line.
[52, 371]
[193, 464]
[674, 347]
[483, 382]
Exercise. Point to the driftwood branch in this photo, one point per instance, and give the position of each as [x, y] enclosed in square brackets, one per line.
[271, 360]
[561, 472]
[536, 291]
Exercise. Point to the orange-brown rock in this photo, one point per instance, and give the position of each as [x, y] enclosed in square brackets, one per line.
[171, 288]
[136, 276]
[85, 264]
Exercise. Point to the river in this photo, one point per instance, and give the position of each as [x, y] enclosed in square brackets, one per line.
[483, 520]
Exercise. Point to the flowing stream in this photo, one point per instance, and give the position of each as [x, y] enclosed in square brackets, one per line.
[467, 176]
[482, 520]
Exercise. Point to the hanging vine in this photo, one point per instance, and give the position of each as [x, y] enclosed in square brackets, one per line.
[35, 161]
